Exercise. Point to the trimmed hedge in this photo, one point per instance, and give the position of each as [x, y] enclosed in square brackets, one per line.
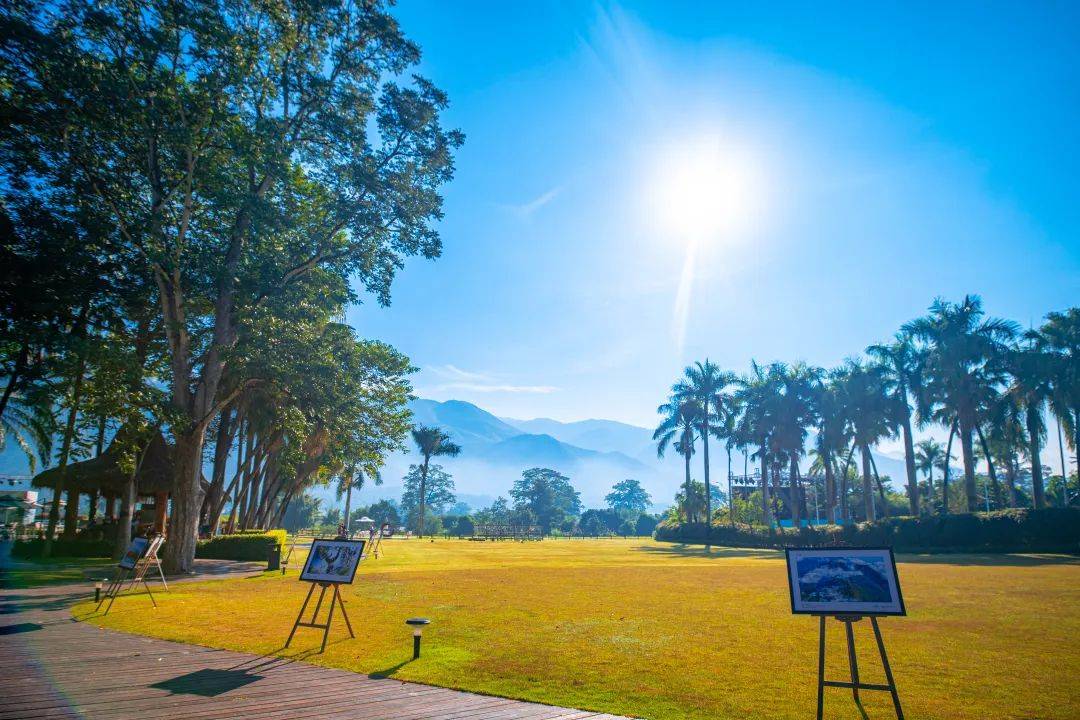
[1048, 530]
[245, 545]
[31, 549]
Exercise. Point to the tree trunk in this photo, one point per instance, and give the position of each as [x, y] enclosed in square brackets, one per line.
[423, 494]
[730, 495]
[187, 498]
[127, 509]
[945, 478]
[830, 489]
[708, 487]
[766, 505]
[71, 514]
[1010, 480]
[686, 501]
[909, 462]
[222, 447]
[930, 490]
[348, 501]
[793, 481]
[881, 489]
[845, 509]
[1038, 491]
[990, 468]
[867, 488]
[967, 449]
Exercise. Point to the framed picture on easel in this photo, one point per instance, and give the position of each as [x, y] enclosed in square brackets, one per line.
[844, 581]
[332, 561]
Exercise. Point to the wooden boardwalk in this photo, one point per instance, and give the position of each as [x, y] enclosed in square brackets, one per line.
[54, 667]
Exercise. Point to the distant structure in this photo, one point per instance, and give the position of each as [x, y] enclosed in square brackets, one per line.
[504, 531]
[19, 506]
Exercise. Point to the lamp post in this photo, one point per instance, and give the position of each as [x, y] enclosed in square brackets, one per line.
[97, 591]
[417, 624]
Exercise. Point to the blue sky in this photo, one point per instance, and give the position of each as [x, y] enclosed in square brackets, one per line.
[871, 157]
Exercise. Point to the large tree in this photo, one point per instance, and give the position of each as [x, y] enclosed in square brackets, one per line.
[963, 370]
[705, 383]
[900, 362]
[547, 495]
[431, 442]
[237, 148]
[628, 495]
[678, 430]
[429, 489]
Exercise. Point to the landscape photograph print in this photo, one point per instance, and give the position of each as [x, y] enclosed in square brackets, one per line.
[602, 359]
[844, 581]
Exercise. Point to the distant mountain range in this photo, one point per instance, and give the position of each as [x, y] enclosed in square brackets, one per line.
[595, 454]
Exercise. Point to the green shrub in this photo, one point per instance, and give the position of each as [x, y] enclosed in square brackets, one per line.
[31, 549]
[240, 546]
[1022, 530]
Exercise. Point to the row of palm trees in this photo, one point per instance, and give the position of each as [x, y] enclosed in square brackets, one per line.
[986, 381]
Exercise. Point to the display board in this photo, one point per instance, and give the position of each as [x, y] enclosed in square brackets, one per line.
[134, 551]
[844, 581]
[332, 561]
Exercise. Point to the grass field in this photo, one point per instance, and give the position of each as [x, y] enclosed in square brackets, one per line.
[25, 574]
[660, 631]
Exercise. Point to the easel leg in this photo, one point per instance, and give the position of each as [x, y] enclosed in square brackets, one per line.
[329, 618]
[821, 671]
[300, 615]
[853, 663]
[888, 670]
[147, 586]
[115, 589]
[162, 574]
[345, 615]
[318, 605]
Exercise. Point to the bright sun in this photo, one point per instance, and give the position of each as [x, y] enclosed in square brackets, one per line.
[705, 191]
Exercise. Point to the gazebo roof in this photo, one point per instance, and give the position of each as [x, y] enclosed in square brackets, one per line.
[104, 474]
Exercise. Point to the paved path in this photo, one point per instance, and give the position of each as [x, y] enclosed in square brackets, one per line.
[54, 667]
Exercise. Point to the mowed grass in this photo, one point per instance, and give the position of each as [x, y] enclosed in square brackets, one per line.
[660, 631]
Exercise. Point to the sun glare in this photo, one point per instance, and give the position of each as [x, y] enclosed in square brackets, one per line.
[706, 192]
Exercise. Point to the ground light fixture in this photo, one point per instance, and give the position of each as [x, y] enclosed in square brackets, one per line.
[97, 591]
[417, 624]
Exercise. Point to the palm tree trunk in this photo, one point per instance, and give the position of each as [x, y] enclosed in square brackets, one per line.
[730, 495]
[423, 493]
[65, 451]
[990, 466]
[967, 449]
[1010, 480]
[845, 509]
[881, 488]
[909, 462]
[348, 501]
[868, 490]
[766, 505]
[796, 510]
[930, 490]
[708, 487]
[830, 489]
[1038, 490]
[686, 489]
[945, 479]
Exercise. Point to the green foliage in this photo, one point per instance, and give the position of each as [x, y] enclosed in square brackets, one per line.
[63, 547]
[439, 493]
[628, 495]
[240, 546]
[301, 513]
[546, 495]
[1049, 530]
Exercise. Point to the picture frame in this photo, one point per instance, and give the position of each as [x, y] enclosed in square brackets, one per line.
[332, 561]
[859, 581]
[135, 550]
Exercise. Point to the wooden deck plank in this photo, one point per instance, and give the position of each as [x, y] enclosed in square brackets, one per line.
[55, 667]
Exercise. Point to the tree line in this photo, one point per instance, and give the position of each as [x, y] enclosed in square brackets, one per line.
[990, 385]
[192, 194]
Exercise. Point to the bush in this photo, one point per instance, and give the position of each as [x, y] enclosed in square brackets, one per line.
[241, 546]
[1048, 530]
[31, 549]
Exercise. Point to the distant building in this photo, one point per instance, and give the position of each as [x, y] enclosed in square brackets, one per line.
[18, 501]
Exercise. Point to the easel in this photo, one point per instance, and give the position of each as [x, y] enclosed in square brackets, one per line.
[375, 539]
[325, 627]
[856, 685]
[136, 574]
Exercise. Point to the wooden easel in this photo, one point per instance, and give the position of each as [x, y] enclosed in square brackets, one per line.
[855, 684]
[134, 575]
[325, 627]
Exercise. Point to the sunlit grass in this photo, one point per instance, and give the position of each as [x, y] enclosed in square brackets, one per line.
[660, 631]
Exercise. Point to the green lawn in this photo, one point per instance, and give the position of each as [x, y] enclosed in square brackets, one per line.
[660, 631]
[28, 574]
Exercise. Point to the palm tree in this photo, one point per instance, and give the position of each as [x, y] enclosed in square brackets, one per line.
[29, 421]
[705, 383]
[870, 409]
[900, 362]
[928, 455]
[1059, 337]
[1031, 388]
[682, 420]
[432, 442]
[352, 477]
[756, 394]
[833, 436]
[963, 367]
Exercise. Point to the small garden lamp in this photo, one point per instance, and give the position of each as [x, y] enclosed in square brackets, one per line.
[417, 624]
[97, 591]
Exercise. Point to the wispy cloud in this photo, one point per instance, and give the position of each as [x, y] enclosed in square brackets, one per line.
[528, 209]
[454, 379]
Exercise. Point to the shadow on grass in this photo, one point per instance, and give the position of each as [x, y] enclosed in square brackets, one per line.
[388, 672]
[717, 553]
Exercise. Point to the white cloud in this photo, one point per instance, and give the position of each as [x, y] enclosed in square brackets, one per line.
[528, 209]
[457, 380]
[478, 387]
